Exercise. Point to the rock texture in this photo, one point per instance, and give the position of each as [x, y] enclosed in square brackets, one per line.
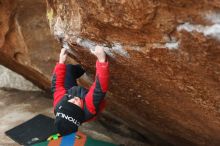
[27, 46]
[164, 58]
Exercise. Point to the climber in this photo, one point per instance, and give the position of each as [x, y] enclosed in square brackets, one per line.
[73, 104]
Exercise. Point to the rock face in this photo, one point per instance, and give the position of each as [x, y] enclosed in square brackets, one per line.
[164, 58]
[27, 46]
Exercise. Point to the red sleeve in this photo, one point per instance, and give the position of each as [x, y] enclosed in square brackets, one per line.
[57, 86]
[99, 88]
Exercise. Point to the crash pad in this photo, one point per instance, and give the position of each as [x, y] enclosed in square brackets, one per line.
[75, 139]
[37, 129]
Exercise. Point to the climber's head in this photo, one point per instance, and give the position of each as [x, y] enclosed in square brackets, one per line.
[77, 101]
[69, 117]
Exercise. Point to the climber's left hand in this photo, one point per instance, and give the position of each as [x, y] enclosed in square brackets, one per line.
[63, 55]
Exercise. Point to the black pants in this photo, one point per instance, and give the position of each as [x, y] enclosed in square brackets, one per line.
[73, 72]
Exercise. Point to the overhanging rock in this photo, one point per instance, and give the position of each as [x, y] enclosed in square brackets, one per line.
[164, 78]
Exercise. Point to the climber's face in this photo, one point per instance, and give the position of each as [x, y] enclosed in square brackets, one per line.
[77, 101]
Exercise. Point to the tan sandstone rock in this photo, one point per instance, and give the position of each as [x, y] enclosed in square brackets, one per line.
[27, 46]
[164, 58]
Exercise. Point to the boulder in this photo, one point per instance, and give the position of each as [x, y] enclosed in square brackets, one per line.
[164, 58]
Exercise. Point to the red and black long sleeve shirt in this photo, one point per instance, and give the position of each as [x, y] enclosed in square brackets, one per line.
[93, 99]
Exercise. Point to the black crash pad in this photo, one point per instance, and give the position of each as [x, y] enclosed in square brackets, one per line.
[35, 130]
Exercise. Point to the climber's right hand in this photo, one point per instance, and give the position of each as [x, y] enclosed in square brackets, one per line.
[63, 55]
[99, 53]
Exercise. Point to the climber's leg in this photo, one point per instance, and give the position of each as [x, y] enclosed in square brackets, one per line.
[79, 71]
[72, 73]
